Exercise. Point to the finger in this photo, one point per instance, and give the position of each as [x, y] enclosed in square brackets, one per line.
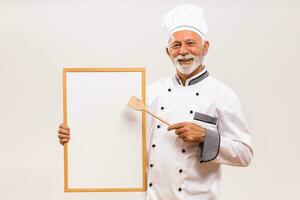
[176, 126]
[181, 131]
[63, 141]
[62, 136]
[186, 138]
[189, 139]
[63, 126]
[64, 131]
[183, 137]
[196, 126]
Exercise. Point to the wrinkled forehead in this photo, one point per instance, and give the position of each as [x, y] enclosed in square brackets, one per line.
[183, 36]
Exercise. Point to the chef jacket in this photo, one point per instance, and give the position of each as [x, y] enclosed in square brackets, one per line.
[179, 170]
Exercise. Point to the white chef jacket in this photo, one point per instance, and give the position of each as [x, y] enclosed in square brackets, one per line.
[179, 170]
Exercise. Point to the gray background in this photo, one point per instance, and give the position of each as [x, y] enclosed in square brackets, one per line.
[254, 49]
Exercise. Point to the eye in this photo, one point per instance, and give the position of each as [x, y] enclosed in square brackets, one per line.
[191, 43]
[175, 46]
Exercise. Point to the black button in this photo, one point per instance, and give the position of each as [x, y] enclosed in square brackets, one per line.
[158, 126]
[150, 184]
[153, 145]
[191, 111]
[183, 150]
[169, 89]
[151, 165]
[180, 171]
[162, 107]
[179, 189]
[197, 94]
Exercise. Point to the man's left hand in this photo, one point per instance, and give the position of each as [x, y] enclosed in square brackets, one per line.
[188, 131]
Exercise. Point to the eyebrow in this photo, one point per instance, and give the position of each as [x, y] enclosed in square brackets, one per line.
[188, 40]
[176, 41]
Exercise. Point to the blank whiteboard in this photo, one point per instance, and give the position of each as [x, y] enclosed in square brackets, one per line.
[107, 150]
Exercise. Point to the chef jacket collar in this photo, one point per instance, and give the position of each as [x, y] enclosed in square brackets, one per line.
[194, 79]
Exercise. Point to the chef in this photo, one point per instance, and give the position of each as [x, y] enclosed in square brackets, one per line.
[208, 127]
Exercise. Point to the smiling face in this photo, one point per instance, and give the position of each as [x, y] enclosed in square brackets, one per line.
[187, 50]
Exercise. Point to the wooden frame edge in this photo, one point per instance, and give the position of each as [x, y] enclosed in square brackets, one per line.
[144, 150]
[144, 125]
[125, 69]
[105, 190]
[65, 122]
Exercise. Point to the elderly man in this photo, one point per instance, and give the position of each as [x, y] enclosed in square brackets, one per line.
[207, 118]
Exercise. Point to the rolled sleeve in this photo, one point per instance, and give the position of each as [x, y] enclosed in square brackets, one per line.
[209, 150]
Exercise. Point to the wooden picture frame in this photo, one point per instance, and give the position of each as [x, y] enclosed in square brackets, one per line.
[94, 101]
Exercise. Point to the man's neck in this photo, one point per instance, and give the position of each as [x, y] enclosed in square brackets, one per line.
[184, 77]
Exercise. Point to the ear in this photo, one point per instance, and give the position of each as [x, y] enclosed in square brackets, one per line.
[205, 47]
[167, 51]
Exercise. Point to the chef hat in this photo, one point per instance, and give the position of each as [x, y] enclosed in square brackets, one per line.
[184, 17]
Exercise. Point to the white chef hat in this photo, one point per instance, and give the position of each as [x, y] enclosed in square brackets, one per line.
[184, 17]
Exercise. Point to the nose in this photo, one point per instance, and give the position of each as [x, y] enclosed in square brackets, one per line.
[183, 51]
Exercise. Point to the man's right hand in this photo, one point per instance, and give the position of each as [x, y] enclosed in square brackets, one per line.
[63, 134]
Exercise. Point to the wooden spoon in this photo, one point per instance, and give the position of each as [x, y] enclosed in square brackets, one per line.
[137, 104]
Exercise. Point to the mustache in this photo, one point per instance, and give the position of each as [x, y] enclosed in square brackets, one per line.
[188, 56]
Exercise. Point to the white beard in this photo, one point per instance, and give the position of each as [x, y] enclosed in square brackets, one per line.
[187, 69]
